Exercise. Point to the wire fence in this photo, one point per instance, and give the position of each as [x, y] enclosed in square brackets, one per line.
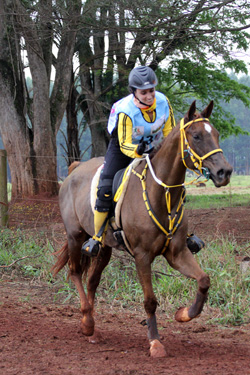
[42, 212]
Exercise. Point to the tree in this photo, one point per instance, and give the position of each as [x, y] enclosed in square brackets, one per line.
[29, 123]
[180, 39]
[190, 43]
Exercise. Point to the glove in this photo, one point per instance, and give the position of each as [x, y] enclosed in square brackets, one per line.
[141, 148]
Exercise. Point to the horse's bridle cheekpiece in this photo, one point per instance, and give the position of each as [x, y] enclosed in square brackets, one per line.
[185, 147]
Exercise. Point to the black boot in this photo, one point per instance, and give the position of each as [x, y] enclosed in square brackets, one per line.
[194, 243]
[91, 247]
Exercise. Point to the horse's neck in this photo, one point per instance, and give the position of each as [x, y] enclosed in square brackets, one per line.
[167, 162]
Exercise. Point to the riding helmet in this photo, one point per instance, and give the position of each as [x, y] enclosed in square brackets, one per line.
[142, 77]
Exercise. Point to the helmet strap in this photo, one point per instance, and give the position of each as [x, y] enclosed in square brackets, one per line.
[140, 101]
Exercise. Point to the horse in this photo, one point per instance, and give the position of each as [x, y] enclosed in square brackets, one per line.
[152, 216]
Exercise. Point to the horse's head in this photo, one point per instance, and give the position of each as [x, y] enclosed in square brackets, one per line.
[200, 146]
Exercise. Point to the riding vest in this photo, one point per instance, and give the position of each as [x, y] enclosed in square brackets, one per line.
[150, 132]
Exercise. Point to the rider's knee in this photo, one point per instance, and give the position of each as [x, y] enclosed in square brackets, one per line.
[104, 196]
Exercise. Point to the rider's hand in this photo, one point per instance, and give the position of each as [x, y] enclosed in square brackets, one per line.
[141, 147]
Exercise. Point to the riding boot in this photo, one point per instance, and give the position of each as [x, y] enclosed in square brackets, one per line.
[194, 243]
[93, 245]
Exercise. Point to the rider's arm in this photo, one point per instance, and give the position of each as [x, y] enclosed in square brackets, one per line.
[125, 129]
[170, 123]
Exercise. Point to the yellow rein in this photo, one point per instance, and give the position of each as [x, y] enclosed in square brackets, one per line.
[173, 224]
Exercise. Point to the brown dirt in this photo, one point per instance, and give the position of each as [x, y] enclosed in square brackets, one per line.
[39, 336]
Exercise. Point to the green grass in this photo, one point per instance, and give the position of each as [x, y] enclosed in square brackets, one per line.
[217, 201]
[235, 181]
[228, 300]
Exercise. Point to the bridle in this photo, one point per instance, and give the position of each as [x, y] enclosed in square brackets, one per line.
[185, 147]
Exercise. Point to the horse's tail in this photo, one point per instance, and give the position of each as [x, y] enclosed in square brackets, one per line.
[73, 166]
[62, 259]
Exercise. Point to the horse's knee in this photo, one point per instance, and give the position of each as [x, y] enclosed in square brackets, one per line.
[150, 305]
[204, 283]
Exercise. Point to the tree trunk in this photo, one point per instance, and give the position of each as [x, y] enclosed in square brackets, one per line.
[29, 124]
[17, 145]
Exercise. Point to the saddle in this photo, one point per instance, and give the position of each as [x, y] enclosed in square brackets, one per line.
[119, 187]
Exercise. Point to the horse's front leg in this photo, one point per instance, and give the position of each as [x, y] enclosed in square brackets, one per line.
[185, 263]
[143, 266]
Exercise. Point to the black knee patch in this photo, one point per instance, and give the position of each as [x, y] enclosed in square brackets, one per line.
[104, 195]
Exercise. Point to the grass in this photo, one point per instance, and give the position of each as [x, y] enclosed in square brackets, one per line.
[236, 193]
[217, 201]
[235, 181]
[228, 300]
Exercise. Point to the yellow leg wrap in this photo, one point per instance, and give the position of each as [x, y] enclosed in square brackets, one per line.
[99, 218]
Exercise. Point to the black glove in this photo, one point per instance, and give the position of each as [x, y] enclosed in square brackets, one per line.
[141, 147]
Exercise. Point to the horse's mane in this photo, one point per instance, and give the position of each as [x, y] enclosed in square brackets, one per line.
[158, 147]
[73, 166]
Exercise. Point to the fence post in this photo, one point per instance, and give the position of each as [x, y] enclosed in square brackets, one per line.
[3, 189]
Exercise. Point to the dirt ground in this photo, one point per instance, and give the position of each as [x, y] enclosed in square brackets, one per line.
[39, 336]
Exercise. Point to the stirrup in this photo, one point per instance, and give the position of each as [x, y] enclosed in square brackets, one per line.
[91, 247]
[194, 243]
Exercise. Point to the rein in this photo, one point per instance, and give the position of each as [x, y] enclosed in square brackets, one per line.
[197, 161]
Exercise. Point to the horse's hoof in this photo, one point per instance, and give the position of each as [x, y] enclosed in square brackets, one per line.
[96, 338]
[182, 315]
[87, 326]
[157, 350]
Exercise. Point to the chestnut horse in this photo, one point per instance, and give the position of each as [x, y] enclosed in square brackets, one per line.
[152, 217]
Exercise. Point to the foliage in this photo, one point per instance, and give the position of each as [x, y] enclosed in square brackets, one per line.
[236, 149]
[191, 44]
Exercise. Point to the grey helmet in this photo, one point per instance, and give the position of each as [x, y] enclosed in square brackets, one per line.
[142, 77]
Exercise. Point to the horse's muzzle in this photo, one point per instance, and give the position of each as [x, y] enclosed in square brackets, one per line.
[222, 176]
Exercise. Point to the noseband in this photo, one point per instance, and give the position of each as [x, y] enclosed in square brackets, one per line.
[185, 147]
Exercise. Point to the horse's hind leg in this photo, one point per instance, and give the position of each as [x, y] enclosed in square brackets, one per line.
[95, 272]
[77, 267]
[143, 266]
[185, 263]
[94, 277]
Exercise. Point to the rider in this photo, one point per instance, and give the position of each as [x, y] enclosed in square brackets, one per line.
[137, 124]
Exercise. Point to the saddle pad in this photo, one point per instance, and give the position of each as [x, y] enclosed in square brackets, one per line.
[119, 197]
[93, 187]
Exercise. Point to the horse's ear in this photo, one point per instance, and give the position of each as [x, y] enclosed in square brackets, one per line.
[206, 113]
[190, 114]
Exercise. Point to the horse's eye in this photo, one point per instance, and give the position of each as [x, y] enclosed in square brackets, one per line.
[196, 137]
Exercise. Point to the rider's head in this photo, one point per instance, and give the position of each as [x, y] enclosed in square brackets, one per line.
[142, 81]
[142, 77]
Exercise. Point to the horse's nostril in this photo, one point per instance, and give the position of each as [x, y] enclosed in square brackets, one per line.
[221, 173]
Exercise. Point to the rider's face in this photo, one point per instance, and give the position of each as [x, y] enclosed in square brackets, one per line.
[146, 96]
